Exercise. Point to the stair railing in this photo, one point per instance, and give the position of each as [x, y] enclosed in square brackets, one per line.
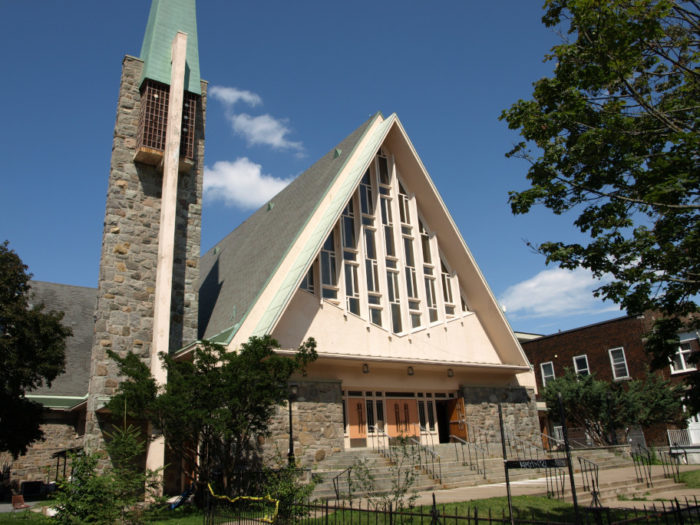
[670, 461]
[428, 459]
[475, 456]
[641, 456]
[336, 483]
[381, 441]
[556, 482]
[589, 473]
[515, 444]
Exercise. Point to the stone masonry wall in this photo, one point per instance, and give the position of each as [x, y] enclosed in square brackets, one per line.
[317, 422]
[61, 431]
[519, 412]
[126, 285]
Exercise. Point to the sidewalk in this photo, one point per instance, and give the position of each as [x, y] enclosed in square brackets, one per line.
[538, 487]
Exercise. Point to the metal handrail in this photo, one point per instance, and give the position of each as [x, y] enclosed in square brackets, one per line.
[670, 461]
[525, 445]
[589, 473]
[556, 482]
[642, 465]
[336, 482]
[476, 454]
[427, 459]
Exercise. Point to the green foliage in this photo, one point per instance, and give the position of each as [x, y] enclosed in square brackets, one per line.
[87, 497]
[600, 407]
[114, 495]
[613, 137]
[287, 486]
[214, 408]
[32, 353]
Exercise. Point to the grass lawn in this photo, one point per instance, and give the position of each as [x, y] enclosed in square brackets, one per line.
[691, 478]
[535, 508]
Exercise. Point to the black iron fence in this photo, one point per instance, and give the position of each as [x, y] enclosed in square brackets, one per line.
[261, 510]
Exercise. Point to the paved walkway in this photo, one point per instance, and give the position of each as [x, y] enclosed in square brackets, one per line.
[539, 487]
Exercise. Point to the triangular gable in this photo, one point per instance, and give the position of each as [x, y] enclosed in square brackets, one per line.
[238, 268]
[481, 299]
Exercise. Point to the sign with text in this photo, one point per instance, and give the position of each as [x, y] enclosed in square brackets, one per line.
[537, 463]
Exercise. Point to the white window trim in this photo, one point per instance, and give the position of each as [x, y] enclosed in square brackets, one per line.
[544, 379]
[588, 368]
[612, 363]
[686, 367]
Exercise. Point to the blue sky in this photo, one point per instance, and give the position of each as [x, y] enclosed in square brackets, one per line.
[289, 80]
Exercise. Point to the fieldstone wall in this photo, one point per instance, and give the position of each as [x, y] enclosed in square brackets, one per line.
[519, 413]
[317, 423]
[126, 286]
[61, 431]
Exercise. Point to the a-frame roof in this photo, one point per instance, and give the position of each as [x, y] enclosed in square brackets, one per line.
[235, 271]
[249, 278]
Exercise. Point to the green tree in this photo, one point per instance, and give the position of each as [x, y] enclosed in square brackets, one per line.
[32, 353]
[213, 409]
[112, 495]
[612, 136]
[599, 407]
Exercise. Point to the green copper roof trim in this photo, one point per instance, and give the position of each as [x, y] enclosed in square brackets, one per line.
[166, 18]
[226, 336]
[323, 227]
[64, 402]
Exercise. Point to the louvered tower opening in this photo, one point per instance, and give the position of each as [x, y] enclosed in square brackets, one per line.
[153, 123]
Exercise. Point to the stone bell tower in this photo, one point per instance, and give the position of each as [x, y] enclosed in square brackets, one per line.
[149, 268]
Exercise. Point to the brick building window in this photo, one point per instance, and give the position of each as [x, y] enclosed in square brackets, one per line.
[581, 365]
[680, 362]
[618, 363]
[547, 370]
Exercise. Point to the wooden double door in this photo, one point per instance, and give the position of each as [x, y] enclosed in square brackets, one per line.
[400, 416]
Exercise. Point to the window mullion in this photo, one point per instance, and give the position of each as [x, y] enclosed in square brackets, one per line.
[439, 300]
[398, 243]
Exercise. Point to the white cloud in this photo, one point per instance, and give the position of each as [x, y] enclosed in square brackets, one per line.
[556, 292]
[259, 129]
[229, 96]
[241, 183]
[264, 129]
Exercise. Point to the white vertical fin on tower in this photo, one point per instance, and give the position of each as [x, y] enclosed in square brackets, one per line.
[155, 458]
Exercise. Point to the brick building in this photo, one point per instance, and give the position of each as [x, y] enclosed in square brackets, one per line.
[612, 350]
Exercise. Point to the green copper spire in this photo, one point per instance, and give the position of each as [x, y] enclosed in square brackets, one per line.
[167, 17]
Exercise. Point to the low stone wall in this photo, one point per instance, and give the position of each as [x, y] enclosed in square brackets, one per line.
[61, 431]
[317, 422]
[519, 413]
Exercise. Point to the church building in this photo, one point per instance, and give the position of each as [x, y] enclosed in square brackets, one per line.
[358, 252]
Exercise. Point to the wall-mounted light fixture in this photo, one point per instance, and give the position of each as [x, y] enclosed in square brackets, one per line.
[410, 370]
[450, 372]
[365, 368]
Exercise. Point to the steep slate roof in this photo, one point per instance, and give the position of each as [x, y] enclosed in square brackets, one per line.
[235, 271]
[78, 305]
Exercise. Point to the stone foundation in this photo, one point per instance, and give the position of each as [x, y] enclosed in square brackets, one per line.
[519, 413]
[317, 423]
[62, 430]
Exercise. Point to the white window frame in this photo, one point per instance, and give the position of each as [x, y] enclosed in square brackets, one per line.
[587, 369]
[612, 363]
[544, 377]
[683, 353]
